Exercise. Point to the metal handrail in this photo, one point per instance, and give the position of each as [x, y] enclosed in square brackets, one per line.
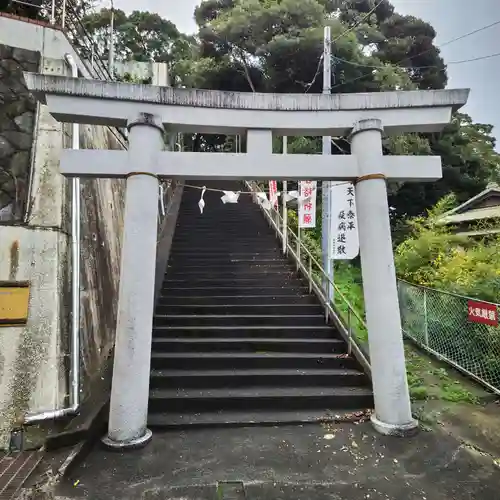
[64, 14]
[82, 41]
[305, 266]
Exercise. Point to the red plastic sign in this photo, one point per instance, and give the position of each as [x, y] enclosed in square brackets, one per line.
[273, 190]
[483, 312]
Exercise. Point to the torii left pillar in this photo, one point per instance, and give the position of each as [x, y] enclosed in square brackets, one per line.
[131, 370]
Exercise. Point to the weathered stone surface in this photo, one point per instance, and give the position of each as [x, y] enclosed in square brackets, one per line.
[24, 57]
[19, 163]
[17, 118]
[25, 122]
[20, 140]
[6, 149]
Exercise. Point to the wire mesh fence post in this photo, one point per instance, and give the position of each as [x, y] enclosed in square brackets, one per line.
[426, 321]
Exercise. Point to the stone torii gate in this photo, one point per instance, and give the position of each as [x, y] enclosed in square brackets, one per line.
[145, 110]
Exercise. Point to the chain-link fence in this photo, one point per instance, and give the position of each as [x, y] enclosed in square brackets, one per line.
[441, 323]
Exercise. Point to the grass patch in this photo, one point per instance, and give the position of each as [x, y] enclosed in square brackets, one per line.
[348, 281]
[431, 379]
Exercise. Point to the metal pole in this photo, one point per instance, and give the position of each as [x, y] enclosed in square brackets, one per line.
[283, 198]
[299, 242]
[426, 322]
[111, 55]
[63, 22]
[326, 194]
[53, 13]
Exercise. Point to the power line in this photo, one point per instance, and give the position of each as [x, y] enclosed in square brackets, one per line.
[355, 25]
[375, 66]
[480, 58]
[342, 35]
[453, 40]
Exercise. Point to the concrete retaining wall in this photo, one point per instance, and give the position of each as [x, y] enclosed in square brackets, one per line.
[37, 248]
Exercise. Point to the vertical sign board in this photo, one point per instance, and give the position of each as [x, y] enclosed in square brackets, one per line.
[307, 204]
[273, 193]
[482, 312]
[344, 222]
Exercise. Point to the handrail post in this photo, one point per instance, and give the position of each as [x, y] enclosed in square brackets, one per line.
[310, 275]
[349, 331]
[299, 243]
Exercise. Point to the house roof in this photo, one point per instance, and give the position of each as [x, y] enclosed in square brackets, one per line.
[472, 215]
[466, 211]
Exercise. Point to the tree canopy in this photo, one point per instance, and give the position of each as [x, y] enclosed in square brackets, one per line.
[140, 36]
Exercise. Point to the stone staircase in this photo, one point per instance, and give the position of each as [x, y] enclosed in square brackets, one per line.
[237, 338]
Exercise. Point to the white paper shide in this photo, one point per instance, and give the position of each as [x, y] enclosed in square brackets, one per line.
[307, 204]
[344, 228]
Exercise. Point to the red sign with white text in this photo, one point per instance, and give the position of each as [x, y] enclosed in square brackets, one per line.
[483, 312]
[273, 191]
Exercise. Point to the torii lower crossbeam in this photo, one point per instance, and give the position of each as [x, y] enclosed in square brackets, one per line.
[259, 166]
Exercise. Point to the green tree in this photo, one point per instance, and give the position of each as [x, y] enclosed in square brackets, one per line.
[140, 36]
[435, 256]
[467, 151]
[277, 45]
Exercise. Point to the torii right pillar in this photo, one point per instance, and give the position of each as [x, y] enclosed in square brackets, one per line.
[393, 414]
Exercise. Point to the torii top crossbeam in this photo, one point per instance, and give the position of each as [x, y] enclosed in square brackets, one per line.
[193, 110]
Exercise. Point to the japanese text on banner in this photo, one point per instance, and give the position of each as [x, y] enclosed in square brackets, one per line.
[344, 222]
[273, 193]
[307, 204]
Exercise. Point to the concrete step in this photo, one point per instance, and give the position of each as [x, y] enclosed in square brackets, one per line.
[230, 300]
[262, 398]
[264, 345]
[280, 280]
[226, 254]
[248, 418]
[235, 270]
[188, 267]
[256, 361]
[246, 332]
[239, 320]
[170, 290]
[242, 308]
[202, 379]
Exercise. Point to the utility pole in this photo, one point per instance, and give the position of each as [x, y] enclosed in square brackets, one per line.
[111, 55]
[283, 197]
[327, 150]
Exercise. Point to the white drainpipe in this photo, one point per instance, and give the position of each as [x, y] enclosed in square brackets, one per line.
[74, 389]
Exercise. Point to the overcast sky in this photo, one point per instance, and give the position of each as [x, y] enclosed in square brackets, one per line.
[450, 18]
